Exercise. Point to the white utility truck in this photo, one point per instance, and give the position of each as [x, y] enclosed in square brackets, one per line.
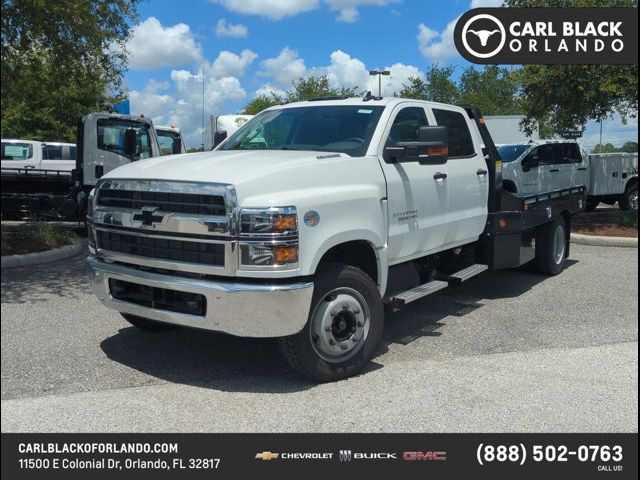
[550, 165]
[310, 218]
[170, 140]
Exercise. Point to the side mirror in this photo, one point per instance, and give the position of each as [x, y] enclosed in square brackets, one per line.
[219, 137]
[432, 147]
[176, 145]
[130, 142]
[531, 161]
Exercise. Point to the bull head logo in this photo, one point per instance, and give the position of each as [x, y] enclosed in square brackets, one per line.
[483, 35]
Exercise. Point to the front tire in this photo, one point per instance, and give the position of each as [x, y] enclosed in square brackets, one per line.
[551, 247]
[629, 200]
[345, 326]
[147, 325]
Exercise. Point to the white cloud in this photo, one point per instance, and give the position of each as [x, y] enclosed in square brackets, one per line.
[437, 46]
[226, 29]
[274, 9]
[485, 3]
[286, 67]
[229, 64]
[347, 10]
[268, 90]
[152, 45]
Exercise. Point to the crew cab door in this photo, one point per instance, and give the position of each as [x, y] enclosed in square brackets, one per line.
[109, 141]
[573, 168]
[535, 170]
[21, 154]
[416, 194]
[467, 181]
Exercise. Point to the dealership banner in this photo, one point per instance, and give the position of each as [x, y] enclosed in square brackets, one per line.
[139, 456]
[548, 35]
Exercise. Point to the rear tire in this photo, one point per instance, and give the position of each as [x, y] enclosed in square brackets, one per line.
[629, 200]
[146, 324]
[551, 247]
[345, 326]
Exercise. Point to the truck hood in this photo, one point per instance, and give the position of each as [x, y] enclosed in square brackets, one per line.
[262, 177]
[233, 167]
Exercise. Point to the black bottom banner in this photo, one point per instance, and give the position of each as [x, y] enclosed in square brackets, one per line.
[213, 456]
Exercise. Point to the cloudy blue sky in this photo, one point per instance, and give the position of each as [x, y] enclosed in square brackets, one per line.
[249, 46]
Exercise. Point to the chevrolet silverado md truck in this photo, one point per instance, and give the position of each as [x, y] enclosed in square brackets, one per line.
[310, 218]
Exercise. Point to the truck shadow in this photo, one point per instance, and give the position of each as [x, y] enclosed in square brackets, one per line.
[222, 362]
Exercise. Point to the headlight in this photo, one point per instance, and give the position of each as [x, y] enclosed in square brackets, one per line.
[274, 220]
[268, 254]
[268, 237]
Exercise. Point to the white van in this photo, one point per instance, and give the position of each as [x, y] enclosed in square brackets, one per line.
[34, 155]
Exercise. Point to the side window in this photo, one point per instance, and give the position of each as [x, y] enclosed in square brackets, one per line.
[111, 135]
[406, 125]
[543, 154]
[52, 152]
[567, 153]
[72, 153]
[16, 151]
[460, 141]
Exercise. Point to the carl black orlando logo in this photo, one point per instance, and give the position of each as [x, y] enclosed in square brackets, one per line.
[548, 35]
[483, 35]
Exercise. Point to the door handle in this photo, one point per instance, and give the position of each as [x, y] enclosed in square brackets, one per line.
[481, 172]
[582, 169]
[440, 176]
[554, 170]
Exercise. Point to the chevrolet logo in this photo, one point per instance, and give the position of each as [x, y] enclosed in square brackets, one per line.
[147, 217]
[266, 456]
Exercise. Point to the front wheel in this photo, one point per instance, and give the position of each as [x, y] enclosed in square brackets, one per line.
[551, 247]
[629, 199]
[344, 328]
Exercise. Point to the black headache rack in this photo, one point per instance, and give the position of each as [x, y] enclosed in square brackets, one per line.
[508, 240]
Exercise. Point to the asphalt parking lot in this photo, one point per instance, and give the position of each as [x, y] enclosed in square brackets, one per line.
[508, 351]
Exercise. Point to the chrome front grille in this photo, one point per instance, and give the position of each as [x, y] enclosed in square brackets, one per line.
[189, 203]
[161, 248]
[179, 225]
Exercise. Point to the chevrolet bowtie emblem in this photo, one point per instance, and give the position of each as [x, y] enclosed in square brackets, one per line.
[266, 456]
[147, 217]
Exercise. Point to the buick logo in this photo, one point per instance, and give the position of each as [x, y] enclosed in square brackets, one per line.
[345, 455]
[483, 35]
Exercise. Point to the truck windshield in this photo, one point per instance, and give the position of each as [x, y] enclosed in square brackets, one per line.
[16, 151]
[165, 139]
[509, 153]
[344, 129]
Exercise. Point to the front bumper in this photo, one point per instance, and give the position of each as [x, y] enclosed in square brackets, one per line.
[242, 309]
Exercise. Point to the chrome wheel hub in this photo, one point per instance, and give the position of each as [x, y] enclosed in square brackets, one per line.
[340, 325]
[559, 245]
[633, 200]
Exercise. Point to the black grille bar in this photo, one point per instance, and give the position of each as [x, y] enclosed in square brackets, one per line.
[192, 203]
[162, 248]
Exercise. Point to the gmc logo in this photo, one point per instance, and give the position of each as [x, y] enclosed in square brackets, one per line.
[414, 456]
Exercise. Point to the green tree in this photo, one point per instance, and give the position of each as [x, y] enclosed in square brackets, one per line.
[629, 147]
[493, 89]
[301, 89]
[437, 86]
[566, 97]
[60, 60]
[260, 102]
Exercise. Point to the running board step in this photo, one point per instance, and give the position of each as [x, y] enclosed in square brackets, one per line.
[418, 292]
[467, 273]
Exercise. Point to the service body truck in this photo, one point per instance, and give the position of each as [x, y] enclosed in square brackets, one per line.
[308, 220]
[549, 165]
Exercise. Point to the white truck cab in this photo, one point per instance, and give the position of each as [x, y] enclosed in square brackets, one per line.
[170, 140]
[543, 166]
[35, 155]
[309, 218]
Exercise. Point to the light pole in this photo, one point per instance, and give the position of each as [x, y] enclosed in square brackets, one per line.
[379, 73]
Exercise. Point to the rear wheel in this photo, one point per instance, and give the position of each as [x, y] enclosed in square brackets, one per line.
[146, 324]
[629, 200]
[551, 247]
[344, 328]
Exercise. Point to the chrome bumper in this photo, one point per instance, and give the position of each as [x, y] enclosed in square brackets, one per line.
[242, 309]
